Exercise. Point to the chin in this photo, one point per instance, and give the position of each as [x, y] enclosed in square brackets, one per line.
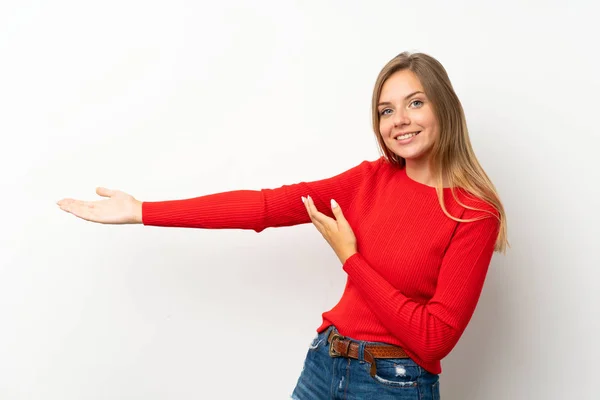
[411, 156]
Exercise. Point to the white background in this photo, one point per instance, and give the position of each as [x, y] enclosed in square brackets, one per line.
[177, 99]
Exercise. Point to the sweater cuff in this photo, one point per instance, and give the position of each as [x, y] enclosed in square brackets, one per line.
[352, 262]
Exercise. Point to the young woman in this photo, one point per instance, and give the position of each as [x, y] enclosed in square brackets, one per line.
[414, 230]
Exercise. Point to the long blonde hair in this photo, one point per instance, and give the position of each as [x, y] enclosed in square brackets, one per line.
[452, 158]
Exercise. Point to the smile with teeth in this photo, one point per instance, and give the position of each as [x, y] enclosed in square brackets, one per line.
[407, 136]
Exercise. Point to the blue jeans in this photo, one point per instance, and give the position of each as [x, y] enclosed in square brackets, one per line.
[324, 377]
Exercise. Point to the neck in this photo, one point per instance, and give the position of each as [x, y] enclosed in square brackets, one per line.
[420, 171]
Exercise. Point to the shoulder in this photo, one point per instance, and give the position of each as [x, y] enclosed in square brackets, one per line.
[374, 164]
[475, 207]
[368, 167]
[480, 222]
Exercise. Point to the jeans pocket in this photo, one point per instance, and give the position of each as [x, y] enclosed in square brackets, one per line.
[396, 372]
[317, 342]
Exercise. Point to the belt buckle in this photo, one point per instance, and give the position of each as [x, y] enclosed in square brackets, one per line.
[332, 351]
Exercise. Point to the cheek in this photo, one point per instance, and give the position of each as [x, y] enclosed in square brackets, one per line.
[436, 132]
[428, 119]
[384, 127]
[422, 119]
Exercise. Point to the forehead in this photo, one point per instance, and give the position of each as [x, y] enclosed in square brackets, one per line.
[400, 84]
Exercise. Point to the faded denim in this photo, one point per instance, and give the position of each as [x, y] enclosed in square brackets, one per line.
[335, 378]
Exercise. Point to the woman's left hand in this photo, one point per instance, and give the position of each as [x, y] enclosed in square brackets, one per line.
[337, 232]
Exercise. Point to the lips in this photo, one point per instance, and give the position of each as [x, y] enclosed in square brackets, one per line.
[406, 133]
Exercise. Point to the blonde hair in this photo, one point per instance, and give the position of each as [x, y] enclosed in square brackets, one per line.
[452, 158]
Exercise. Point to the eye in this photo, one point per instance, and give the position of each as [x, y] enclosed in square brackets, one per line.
[384, 111]
[416, 103]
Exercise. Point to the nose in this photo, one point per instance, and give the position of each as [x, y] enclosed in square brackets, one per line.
[401, 118]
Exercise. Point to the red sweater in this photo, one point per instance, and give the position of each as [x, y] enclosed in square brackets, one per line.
[418, 274]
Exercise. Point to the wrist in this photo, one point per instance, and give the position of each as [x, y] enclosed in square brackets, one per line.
[345, 258]
[137, 212]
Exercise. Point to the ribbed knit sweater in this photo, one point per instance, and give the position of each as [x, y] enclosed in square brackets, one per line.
[417, 276]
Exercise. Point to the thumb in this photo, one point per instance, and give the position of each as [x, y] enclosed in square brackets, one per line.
[337, 210]
[104, 192]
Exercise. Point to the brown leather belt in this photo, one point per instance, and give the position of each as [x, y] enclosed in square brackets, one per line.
[339, 346]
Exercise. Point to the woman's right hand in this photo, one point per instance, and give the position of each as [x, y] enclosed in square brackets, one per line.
[119, 208]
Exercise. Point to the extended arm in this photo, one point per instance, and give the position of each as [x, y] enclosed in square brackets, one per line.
[256, 209]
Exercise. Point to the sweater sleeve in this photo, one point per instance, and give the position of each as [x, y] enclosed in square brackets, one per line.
[257, 209]
[430, 331]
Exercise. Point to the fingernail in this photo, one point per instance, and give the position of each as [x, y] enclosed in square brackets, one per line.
[303, 199]
[333, 203]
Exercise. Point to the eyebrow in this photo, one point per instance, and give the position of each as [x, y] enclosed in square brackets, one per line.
[406, 98]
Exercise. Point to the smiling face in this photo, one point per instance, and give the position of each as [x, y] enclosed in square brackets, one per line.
[407, 122]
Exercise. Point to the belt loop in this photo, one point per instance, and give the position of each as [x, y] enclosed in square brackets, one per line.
[361, 351]
[330, 332]
[370, 359]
